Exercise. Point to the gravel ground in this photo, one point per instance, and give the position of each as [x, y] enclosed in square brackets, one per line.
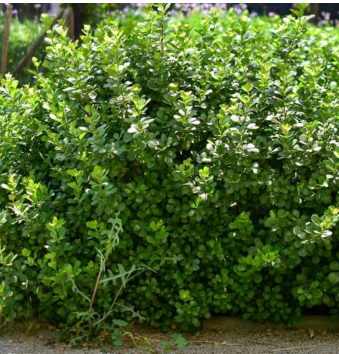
[17, 340]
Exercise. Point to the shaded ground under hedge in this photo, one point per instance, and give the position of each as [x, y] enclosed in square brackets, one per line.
[40, 339]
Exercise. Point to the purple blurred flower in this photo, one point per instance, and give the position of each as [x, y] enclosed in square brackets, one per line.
[140, 4]
[37, 6]
[271, 14]
[14, 12]
[237, 9]
[327, 16]
[7, 3]
[254, 14]
[172, 12]
[243, 6]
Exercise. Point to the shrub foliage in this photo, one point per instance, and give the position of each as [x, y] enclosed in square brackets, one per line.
[172, 174]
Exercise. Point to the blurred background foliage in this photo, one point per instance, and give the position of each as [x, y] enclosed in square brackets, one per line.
[26, 27]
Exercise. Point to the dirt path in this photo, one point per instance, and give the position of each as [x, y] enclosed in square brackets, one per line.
[17, 341]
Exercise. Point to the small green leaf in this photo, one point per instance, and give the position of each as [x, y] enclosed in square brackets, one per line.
[117, 337]
[119, 323]
[333, 277]
[180, 341]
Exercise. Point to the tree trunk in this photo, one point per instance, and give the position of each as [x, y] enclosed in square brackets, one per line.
[5, 42]
[80, 17]
[314, 10]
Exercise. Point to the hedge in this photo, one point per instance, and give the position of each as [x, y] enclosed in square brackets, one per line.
[171, 175]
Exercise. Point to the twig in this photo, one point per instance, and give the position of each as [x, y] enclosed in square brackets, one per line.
[93, 297]
[118, 293]
[294, 348]
[6, 39]
[214, 342]
[114, 301]
[103, 260]
[28, 57]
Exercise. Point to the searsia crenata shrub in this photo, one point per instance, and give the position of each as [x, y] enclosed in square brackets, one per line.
[173, 175]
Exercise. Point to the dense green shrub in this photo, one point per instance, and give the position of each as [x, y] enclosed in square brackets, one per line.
[200, 170]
